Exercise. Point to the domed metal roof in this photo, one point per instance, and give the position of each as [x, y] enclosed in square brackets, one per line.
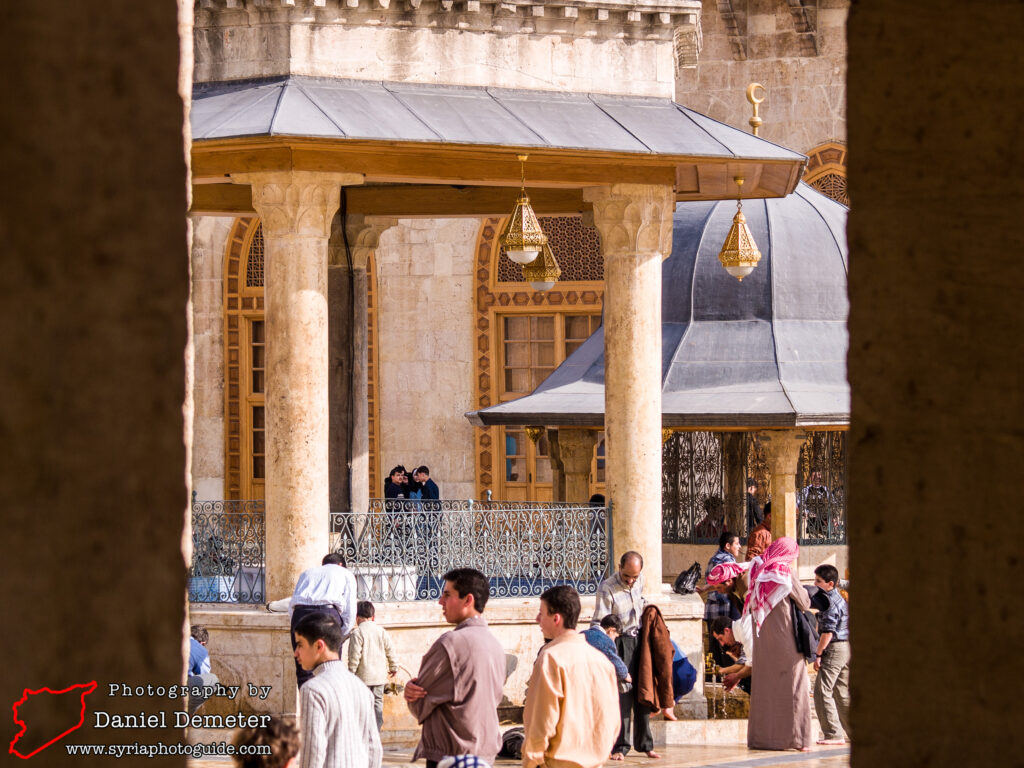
[767, 352]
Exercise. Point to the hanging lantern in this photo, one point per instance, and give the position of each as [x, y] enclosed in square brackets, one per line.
[522, 239]
[542, 273]
[739, 254]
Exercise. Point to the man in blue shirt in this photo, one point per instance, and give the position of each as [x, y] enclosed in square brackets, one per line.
[199, 674]
[832, 659]
[718, 603]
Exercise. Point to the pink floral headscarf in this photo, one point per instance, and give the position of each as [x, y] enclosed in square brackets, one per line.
[770, 580]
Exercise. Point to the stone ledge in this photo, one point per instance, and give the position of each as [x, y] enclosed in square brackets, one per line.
[612, 13]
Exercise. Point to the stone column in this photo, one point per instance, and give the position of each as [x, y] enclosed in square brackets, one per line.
[783, 450]
[348, 286]
[735, 483]
[296, 208]
[557, 471]
[576, 452]
[635, 222]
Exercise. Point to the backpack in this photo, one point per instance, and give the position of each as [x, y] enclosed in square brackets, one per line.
[805, 632]
[686, 582]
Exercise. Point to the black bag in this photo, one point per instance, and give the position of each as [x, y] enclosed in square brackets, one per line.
[686, 582]
[512, 743]
[805, 632]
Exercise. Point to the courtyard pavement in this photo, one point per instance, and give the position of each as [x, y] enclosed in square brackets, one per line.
[696, 756]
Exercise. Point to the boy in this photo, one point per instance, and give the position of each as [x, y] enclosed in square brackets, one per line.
[603, 639]
[371, 656]
[337, 711]
[832, 660]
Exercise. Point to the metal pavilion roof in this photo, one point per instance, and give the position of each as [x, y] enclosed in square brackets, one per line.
[355, 109]
[767, 352]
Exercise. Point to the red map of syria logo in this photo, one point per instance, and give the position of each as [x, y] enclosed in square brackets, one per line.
[84, 689]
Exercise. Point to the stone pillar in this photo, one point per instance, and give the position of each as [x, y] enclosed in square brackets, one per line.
[296, 208]
[557, 470]
[783, 450]
[576, 452]
[348, 287]
[635, 222]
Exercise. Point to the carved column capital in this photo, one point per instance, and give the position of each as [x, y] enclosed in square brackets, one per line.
[576, 449]
[364, 234]
[782, 448]
[296, 203]
[633, 218]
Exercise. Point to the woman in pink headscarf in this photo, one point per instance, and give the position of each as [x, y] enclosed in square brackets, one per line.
[780, 707]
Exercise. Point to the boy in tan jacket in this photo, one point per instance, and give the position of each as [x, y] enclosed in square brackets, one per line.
[371, 656]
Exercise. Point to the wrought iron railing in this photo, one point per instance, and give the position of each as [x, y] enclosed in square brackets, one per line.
[704, 486]
[228, 546]
[399, 549]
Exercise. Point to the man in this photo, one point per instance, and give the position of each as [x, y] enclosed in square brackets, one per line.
[200, 674]
[397, 486]
[761, 537]
[329, 588]
[428, 488]
[336, 709]
[718, 603]
[727, 634]
[812, 504]
[754, 512]
[621, 594]
[456, 694]
[832, 659]
[371, 656]
[571, 717]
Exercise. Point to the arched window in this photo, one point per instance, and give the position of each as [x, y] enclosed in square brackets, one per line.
[826, 171]
[522, 336]
[245, 364]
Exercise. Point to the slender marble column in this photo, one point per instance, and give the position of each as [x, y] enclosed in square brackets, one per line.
[783, 449]
[296, 208]
[635, 222]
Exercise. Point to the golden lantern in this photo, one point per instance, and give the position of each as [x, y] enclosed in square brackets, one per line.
[542, 273]
[522, 239]
[739, 254]
[534, 433]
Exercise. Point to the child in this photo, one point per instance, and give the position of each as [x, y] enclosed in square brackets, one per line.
[832, 662]
[603, 639]
[371, 656]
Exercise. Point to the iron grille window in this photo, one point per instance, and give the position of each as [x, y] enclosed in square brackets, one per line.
[704, 486]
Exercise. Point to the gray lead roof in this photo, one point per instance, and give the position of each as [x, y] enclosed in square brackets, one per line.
[357, 109]
[767, 352]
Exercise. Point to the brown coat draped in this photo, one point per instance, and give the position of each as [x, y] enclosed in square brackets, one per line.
[654, 662]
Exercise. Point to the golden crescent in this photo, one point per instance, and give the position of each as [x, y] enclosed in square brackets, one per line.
[750, 93]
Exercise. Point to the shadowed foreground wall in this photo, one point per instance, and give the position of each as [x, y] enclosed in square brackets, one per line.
[92, 309]
[935, 366]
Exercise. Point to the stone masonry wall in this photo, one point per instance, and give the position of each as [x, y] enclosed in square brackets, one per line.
[805, 104]
[472, 45]
[425, 352]
[209, 239]
[937, 423]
